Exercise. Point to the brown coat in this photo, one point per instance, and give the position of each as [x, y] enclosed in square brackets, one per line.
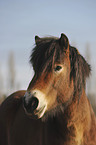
[54, 110]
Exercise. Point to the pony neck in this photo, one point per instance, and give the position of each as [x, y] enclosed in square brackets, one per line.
[70, 125]
[78, 109]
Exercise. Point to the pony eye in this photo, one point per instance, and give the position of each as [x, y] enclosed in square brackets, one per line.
[57, 68]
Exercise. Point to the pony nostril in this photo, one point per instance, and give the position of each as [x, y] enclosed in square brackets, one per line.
[34, 103]
[31, 105]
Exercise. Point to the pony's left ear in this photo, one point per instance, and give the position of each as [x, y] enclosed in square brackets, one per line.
[37, 39]
[63, 41]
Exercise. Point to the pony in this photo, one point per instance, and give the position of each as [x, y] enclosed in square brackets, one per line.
[54, 110]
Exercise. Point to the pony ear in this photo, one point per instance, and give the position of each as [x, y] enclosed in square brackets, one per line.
[37, 39]
[64, 42]
[80, 70]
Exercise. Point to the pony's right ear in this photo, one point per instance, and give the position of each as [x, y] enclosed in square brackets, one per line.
[37, 39]
[63, 41]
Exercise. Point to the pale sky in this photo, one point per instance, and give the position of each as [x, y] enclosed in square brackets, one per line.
[21, 20]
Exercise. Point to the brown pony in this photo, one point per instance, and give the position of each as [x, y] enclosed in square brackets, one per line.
[54, 110]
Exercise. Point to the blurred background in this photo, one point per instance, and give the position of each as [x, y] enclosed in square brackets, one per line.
[21, 20]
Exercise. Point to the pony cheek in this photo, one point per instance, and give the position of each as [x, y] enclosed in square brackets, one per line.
[57, 83]
[52, 105]
[61, 79]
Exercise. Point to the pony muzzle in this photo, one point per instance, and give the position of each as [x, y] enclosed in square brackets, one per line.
[35, 104]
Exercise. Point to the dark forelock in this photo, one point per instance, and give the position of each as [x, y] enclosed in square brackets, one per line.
[45, 54]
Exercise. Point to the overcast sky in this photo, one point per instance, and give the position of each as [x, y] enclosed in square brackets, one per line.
[21, 20]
